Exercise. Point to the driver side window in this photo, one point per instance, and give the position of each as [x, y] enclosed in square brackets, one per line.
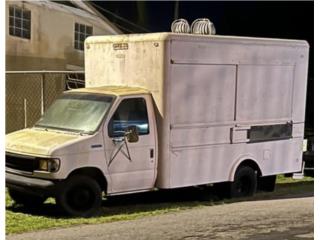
[130, 112]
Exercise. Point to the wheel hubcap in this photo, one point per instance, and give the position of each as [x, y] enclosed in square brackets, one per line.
[80, 199]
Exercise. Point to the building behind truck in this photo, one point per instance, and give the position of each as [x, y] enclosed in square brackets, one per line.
[45, 35]
[183, 110]
[49, 35]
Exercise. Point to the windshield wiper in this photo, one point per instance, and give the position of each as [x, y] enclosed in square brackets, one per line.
[46, 128]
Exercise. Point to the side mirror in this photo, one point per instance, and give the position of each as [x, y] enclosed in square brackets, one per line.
[132, 134]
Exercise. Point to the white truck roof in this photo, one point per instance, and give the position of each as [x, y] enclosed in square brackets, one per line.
[113, 90]
[166, 36]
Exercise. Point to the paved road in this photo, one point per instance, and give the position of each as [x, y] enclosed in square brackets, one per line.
[255, 220]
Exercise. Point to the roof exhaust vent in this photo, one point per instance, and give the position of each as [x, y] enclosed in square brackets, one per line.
[203, 26]
[180, 26]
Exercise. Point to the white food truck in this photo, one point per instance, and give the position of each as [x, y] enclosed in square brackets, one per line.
[163, 111]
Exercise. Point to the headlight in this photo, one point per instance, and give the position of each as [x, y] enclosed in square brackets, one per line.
[49, 164]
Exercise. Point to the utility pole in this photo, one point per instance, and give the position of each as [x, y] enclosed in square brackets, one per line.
[142, 13]
[176, 10]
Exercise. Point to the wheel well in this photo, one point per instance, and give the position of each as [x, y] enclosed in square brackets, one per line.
[94, 173]
[252, 164]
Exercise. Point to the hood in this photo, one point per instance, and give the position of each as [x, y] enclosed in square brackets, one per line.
[37, 141]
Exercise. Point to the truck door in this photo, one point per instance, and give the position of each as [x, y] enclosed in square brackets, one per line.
[132, 166]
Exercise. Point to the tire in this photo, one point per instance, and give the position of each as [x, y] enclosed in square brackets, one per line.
[245, 182]
[80, 197]
[25, 199]
[267, 183]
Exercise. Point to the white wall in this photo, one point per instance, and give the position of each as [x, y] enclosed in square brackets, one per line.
[51, 46]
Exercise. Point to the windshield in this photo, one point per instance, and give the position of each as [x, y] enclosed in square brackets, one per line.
[78, 112]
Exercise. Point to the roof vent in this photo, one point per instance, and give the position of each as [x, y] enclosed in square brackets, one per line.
[203, 26]
[180, 26]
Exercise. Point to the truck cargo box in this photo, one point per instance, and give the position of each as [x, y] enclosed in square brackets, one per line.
[219, 99]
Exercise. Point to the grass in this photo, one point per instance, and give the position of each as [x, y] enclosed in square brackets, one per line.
[281, 179]
[118, 208]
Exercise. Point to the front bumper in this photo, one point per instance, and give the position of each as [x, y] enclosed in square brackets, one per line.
[32, 185]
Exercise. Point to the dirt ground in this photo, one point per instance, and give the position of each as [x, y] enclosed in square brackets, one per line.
[290, 218]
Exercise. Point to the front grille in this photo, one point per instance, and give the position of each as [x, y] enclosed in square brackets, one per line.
[23, 163]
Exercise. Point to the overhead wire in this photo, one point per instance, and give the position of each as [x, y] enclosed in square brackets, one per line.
[123, 28]
[120, 18]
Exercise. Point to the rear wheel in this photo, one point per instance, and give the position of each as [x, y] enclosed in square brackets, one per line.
[25, 199]
[245, 182]
[80, 197]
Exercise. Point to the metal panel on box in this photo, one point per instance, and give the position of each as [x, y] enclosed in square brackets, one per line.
[239, 134]
[264, 92]
[207, 90]
[199, 136]
[202, 112]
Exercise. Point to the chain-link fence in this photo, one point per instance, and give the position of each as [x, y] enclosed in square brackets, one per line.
[30, 93]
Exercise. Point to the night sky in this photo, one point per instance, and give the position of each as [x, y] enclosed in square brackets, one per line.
[292, 20]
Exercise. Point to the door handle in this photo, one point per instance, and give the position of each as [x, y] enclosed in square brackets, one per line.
[118, 140]
[151, 153]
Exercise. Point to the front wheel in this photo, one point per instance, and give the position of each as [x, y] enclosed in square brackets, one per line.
[245, 182]
[80, 197]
